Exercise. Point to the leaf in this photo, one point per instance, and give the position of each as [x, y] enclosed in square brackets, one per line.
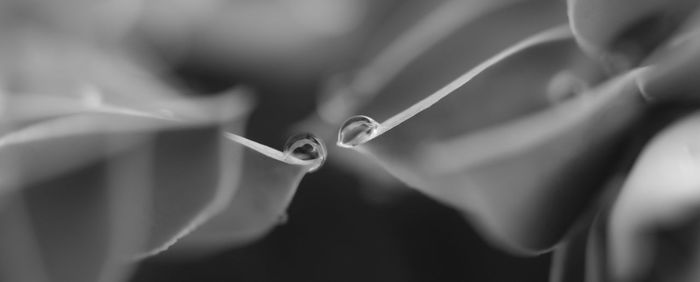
[509, 149]
[673, 66]
[194, 171]
[653, 225]
[582, 256]
[568, 259]
[269, 180]
[443, 42]
[78, 226]
[425, 51]
[622, 33]
[88, 185]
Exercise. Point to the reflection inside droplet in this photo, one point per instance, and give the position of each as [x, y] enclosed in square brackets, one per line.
[306, 147]
[356, 130]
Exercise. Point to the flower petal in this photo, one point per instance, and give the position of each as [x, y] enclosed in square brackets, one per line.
[659, 199]
[266, 188]
[448, 39]
[90, 185]
[673, 67]
[622, 33]
[397, 76]
[481, 158]
[79, 224]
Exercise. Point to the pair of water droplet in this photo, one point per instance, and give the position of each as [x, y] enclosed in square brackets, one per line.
[354, 131]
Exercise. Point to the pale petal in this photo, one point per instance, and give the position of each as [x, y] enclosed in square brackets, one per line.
[623, 32]
[661, 196]
[493, 144]
[268, 182]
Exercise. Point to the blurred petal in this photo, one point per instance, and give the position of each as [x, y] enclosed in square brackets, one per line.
[582, 256]
[472, 141]
[78, 226]
[194, 172]
[188, 154]
[268, 183]
[660, 198]
[291, 38]
[624, 32]
[568, 259]
[89, 184]
[446, 40]
[674, 66]
[81, 224]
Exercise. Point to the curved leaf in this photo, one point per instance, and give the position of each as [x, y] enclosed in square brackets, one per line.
[671, 78]
[507, 151]
[568, 259]
[654, 223]
[267, 185]
[582, 255]
[86, 183]
[624, 32]
[79, 225]
[446, 40]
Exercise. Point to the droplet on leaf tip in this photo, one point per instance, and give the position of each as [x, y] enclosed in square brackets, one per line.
[306, 146]
[357, 130]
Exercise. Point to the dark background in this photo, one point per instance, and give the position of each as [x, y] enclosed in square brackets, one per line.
[335, 231]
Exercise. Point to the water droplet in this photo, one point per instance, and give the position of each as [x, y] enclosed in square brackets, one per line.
[306, 147]
[283, 219]
[357, 130]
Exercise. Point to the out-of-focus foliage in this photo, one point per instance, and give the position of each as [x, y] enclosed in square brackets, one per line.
[522, 115]
[103, 161]
[525, 150]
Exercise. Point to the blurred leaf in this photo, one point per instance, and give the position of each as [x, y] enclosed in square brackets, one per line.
[80, 224]
[283, 38]
[504, 158]
[568, 259]
[268, 182]
[674, 66]
[87, 185]
[430, 53]
[624, 32]
[424, 51]
[194, 172]
[582, 256]
[654, 223]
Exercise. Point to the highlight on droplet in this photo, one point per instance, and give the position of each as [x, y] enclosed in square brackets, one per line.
[357, 130]
[305, 147]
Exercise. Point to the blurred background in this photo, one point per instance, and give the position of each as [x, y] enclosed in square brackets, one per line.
[340, 227]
